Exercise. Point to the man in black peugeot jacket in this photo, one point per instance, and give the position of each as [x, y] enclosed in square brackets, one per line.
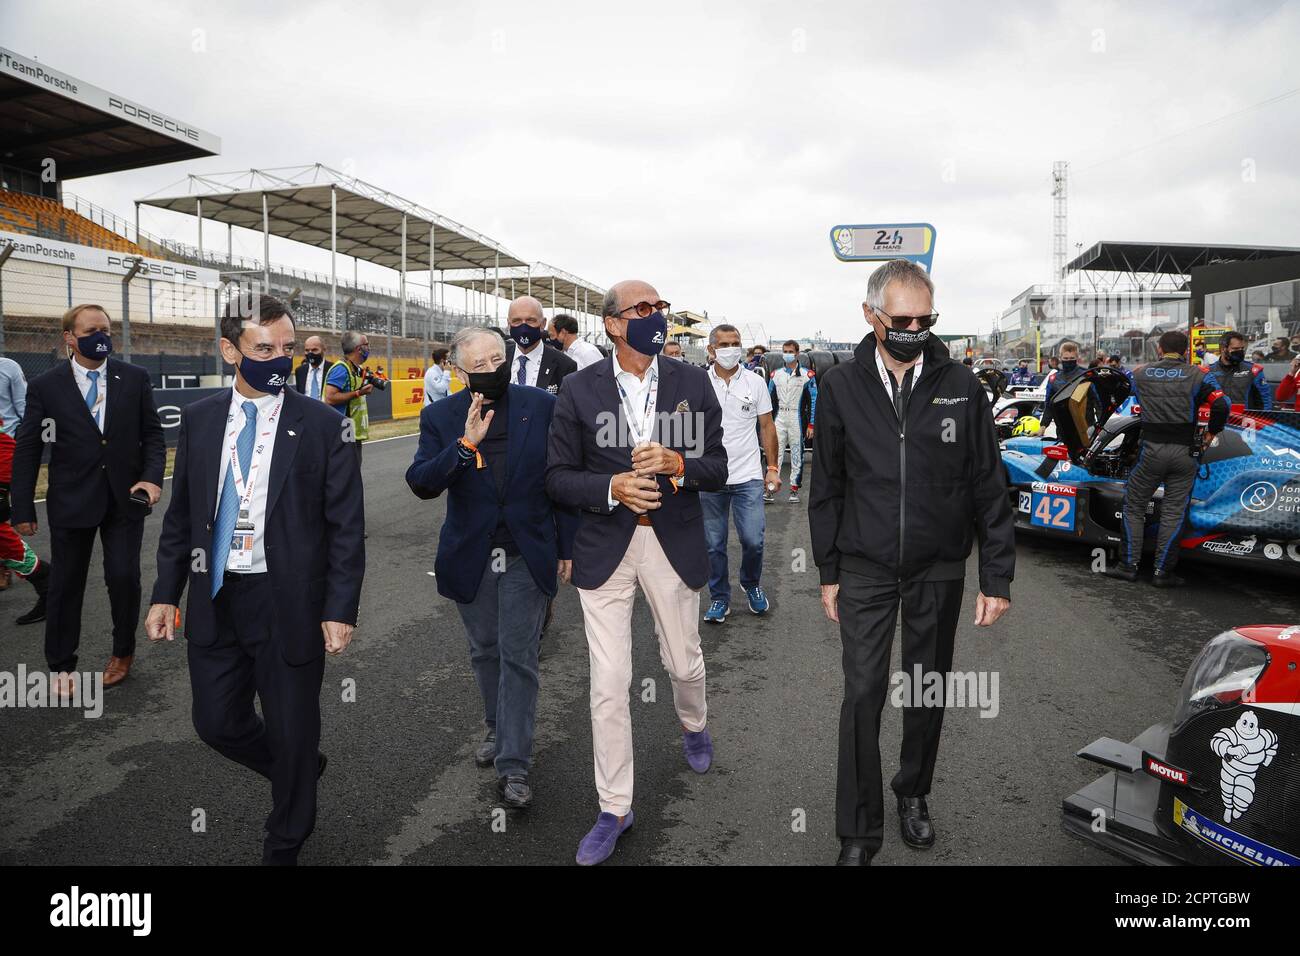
[906, 477]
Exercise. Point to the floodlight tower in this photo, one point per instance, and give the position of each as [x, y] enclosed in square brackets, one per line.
[1060, 220]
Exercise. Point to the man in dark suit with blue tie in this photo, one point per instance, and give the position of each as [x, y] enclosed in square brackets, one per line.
[633, 442]
[98, 417]
[265, 526]
[502, 542]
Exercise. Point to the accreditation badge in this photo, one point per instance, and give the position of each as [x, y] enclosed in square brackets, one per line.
[241, 545]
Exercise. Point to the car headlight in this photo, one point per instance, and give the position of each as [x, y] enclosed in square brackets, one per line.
[1222, 675]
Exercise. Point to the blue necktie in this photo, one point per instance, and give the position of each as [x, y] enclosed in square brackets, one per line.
[522, 377]
[228, 509]
[92, 393]
[315, 383]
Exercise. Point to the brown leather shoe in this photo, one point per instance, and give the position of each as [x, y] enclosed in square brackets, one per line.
[65, 685]
[116, 671]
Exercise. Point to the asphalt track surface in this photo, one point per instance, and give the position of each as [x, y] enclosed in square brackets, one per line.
[1079, 656]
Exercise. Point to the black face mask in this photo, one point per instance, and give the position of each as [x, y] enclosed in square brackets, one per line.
[905, 345]
[1237, 356]
[491, 385]
[1069, 366]
[315, 358]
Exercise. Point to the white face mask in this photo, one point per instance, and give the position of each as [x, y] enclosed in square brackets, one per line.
[728, 357]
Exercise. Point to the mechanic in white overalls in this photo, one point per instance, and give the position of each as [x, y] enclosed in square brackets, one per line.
[793, 393]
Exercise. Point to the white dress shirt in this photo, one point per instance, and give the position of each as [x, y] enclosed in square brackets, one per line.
[635, 389]
[80, 373]
[257, 505]
[743, 398]
[532, 364]
[583, 353]
[315, 380]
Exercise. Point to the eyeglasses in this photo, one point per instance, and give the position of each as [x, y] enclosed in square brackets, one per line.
[901, 322]
[264, 350]
[645, 308]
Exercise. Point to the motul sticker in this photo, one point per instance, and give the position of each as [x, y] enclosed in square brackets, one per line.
[1163, 771]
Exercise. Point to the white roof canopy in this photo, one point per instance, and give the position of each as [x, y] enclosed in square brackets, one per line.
[554, 287]
[368, 219]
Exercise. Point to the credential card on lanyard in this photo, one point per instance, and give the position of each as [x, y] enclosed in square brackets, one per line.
[643, 429]
[241, 543]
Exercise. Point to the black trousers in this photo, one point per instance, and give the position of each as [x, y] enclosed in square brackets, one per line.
[283, 744]
[70, 548]
[868, 612]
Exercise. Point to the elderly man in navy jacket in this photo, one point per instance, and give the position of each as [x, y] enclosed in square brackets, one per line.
[635, 440]
[502, 542]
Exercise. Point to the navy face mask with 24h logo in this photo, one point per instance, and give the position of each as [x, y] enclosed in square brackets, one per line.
[267, 376]
[647, 335]
[96, 345]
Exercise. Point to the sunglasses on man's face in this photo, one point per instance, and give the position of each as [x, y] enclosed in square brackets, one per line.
[901, 322]
[645, 308]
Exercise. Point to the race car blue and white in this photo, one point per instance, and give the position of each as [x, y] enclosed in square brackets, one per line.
[1245, 505]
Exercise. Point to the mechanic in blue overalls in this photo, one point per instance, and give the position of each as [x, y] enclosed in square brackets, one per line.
[1169, 392]
[1070, 370]
[1022, 375]
[1243, 382]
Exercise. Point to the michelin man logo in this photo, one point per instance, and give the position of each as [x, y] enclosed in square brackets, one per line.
[844, 241]
[1244, 748]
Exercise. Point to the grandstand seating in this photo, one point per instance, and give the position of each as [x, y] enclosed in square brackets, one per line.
[50, 219]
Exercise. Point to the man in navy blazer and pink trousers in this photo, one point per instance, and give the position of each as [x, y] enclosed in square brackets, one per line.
[633, 441]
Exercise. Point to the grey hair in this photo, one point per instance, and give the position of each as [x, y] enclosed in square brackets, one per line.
[609, 307]
[713, 332]
[351, 339]
[901, 270]
[467, 335]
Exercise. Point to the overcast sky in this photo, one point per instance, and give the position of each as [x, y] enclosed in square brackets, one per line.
[709, 147]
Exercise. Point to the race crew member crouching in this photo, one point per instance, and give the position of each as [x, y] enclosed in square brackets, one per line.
[1169, 392]
[1242, 382]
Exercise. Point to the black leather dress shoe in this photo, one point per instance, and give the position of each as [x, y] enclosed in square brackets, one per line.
[914, 822]
[1123, 572]
[854, 853]
[515, 791]
[33, 616]
[1167, 579]
[487, 750]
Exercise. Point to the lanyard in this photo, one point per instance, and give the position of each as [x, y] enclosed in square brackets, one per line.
[887, 380]
[245, 492]
[641, 426]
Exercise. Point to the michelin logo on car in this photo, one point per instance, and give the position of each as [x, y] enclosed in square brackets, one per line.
[1244, 748]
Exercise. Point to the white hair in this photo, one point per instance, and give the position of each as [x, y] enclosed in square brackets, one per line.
[901, 270]
[467, 335]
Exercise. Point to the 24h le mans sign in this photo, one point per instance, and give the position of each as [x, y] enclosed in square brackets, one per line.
[872, 243]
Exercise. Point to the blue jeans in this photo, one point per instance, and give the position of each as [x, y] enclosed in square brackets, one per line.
[746, 501]
[504, 624]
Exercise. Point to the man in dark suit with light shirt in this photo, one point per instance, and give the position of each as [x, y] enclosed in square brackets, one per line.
[265, 527]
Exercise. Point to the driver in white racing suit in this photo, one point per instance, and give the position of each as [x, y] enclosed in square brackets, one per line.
[794, 392]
